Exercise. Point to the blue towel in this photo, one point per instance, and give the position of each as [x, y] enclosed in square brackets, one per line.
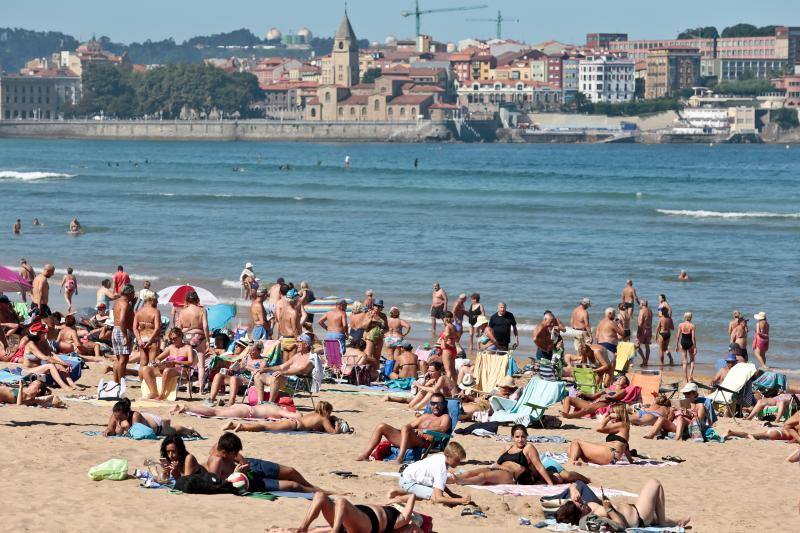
[400, 384]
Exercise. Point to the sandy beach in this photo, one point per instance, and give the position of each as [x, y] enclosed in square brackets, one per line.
[740, 485]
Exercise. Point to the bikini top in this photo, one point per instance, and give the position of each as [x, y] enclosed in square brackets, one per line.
[518, 458]
[616, 438]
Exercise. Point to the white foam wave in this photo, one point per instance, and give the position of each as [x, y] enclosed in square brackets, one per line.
[32, 176]
[298, 198]
[93, 274]
[421, 318]
[700, 213]
[230, 284]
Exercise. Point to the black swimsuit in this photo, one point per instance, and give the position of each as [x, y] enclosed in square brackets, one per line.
[392, 515]
[473, 314]
[526, 478]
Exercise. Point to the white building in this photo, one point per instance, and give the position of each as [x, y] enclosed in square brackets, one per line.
[606, 79]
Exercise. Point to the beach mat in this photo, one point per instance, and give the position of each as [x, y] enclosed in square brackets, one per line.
[287, 494]
[641, 462]
[158, 437]
[541, 490]
[368, 391]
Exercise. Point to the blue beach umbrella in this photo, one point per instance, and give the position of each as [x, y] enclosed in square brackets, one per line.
[219, 315]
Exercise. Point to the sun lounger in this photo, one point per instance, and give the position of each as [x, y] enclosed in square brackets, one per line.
[537, 396]
[625, 352]
[729, 393]
[649, 383]
[586, 379]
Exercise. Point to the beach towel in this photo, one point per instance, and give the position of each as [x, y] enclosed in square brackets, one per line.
[633, 394]
[489, 370]
[11, 376]
[400, 383]
[422, 355]
[127, 436]
[637, 462]
[625, 352]
[541, 490]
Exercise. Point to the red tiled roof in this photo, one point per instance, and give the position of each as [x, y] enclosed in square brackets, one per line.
[356, 99]
[409, 99]
[444, 106]
[313, 101]
[424, 88]
[424, 71]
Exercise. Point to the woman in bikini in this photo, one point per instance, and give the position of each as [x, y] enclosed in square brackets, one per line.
[647, 415]
[123, 417]
[520, 465]
[69, 286]
[33, 394]
[321, 421]
[238, 374]
[344, 516]
[176, 358]
[761, 338]
[475, 310]
[176, 461]
[663, 333]
[398, 329]
[617, 428]
[239, 410]
[447, 344]
[588, 404]
[68, 341]
[648, 511]
[434, 382]
[686, 342]
[38, 358]
[147, 329]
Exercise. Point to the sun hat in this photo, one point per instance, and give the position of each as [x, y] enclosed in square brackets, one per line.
[467, 382]
[248, 265]
[507, 382]
[481, 320]
[244, 342]
[378, 303]
[304, 338]
[689, 387]
[760, 316]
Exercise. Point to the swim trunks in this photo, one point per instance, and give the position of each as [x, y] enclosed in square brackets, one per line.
[119, 345]
[437, 312]
[263, 475]
[260, 332]
[339, 337]
[288, 343]
[644, 335]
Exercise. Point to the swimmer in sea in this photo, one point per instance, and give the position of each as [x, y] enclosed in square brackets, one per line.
[74, 226]
[16, 229]
[683, 276]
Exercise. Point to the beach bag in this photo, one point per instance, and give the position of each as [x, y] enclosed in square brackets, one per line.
[110, 390]
[592, 522]
[141, 432]
[114, 469]
[204, 482]
[75, 364]
[770, 382]
[360, 375]
[381, 451]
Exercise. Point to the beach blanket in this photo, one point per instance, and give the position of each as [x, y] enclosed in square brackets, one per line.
[400, 383]
[638, 462]
[126, 436]
[11, 376]
[541, 490]
[135, 403]
[365, 390]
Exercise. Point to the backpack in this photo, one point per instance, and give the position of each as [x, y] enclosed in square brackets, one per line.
[203, 482]
[770, 382]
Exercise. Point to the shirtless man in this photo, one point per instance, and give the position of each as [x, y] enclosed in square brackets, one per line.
[644, 331]
[543, 335]
[738, 330]
[258, 315]
[40, 295]
[275, 377]
[147, 328]
[412, 435]
[609, 332]
[274, 296]
[27, 273]
[579, 321]
[438, 306]
[629, 297]
[624, 319]
[16, 229]
[334, 322]
[458, 315]
[193, 321]
[122, 334]
[289, 317]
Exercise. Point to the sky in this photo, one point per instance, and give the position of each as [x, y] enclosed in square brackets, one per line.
[540, 20]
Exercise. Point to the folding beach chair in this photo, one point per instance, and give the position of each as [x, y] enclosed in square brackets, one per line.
[729, 393]
[625, 352]
[441, 440]
[333, 357]
[648, 382]
[586, 379]
[536, 397]
[489, 369]
[551, 369]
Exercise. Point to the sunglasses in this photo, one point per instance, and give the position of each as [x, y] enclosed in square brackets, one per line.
[438, 403]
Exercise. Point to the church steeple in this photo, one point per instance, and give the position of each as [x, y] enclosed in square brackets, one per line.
[345, 55]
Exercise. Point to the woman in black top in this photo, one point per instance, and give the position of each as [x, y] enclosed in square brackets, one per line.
[520, 465]
[344, 516]
[475, 310]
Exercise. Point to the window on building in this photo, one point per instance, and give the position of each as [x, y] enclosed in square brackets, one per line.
[391, 111]
[8, 114]
[402, 111]
[47, 114]
[24, 114]
[364, 111]
[327, 97]
[352, 111]
[341, 111]
[313, 113]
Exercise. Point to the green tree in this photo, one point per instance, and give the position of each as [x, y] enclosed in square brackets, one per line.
[785, 118]
[706, 32]
[371, 75]
[744, 87]
[748, 30]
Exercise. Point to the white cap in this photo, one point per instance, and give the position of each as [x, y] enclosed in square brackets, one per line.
[689, 387]
[248, 265]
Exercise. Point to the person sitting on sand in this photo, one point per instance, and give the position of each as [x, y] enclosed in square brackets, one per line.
[38, 358]
[239, 410]
[406, 363]
[321, 421]
[412, 435]
[684, 416]
[520, 464]
[123, 417]
[648, 414]
[9, 319]
[34, 393]
[176, 461]
[427, 479]
[175, 358]
[226, 458]
[648, 511]
[781, 401]
[69, 342]
[588, 404]
[434, 382]
[238, 374]
[342, 515]
[617, 427]
[275, 377]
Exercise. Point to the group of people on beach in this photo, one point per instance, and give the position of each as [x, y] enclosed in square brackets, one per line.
[279, 347]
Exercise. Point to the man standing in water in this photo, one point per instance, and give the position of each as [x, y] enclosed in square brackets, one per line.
[579, 321]
[438, 306]
[122, 334]
[121, 278]
[334, 322]
[629, 297]
[16, 229]
[40, 295]
[27, 273]
[644, 331]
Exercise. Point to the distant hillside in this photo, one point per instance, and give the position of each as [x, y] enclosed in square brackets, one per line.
[18, 46]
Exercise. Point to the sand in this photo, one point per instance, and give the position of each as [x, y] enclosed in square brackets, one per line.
[741, 485]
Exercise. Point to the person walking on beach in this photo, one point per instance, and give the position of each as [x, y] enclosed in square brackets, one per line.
[629, 297]
[502, 323]
[258, 315]
[334, 322]
[122, 334]
[476, 309]
[579, 321]
[248, 278]
[40, 295]
[458, 315]
[686, 342]
[761, 338]
[120, 278]
[27, 273]
[438, 306]
[663, 333]
[16, 229]
[737, 330]
[69, 286]
[644, 331]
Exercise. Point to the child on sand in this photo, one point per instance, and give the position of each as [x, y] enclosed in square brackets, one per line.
[427, 479]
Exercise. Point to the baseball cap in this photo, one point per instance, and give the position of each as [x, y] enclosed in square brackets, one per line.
[304, 338]
[689, 387]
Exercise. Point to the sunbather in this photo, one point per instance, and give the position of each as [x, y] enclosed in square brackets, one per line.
[649, 414]
[782, 402]
[176, 461]
[123, 417]
[617, 428]
[588, 404]
[321, 420]
[769, 434]
[520, 464]
[412, 435]
[344, 516]
[239, 410]
[33, 394]
[38, 358]
[683, 418]
[276, 377]
[176, 358]
[68, 341]
[238, 374]
[434, 382]
[649, 509]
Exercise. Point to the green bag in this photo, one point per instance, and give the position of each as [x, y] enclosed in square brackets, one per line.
[115, 469]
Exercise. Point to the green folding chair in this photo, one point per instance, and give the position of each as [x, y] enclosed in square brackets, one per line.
[586, 379]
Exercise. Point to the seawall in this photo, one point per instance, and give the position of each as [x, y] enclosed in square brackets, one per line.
[241, 130]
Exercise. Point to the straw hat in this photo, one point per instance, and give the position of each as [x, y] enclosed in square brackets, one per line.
[467, 382]
[760, 316]
[481, 320]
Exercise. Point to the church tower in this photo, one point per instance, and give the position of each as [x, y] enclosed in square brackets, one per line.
[345, 55]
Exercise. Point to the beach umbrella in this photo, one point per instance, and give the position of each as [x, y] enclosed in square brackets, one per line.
[176, 295]
[323, 305]
[219, 315]
[10, 281]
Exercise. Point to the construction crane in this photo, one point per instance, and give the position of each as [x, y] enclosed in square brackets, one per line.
[499, 21]
[417, 13]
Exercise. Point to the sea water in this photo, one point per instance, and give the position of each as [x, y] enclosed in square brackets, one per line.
[536, 226]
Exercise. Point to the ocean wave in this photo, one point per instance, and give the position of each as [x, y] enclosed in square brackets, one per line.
[94, 274]
[230, 284]
[224, 196]
[32, 176]
[700, 213]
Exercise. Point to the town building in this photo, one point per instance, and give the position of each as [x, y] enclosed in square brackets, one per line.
[601, 41]
[38, 96]
[570, 77]
[790, 85]
[670, 70]
[342, 67]
[607, 79]
[524, 95]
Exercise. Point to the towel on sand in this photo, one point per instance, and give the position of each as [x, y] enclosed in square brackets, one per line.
[540, 490]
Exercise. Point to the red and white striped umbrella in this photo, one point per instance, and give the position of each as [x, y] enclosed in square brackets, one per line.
[176, 295]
